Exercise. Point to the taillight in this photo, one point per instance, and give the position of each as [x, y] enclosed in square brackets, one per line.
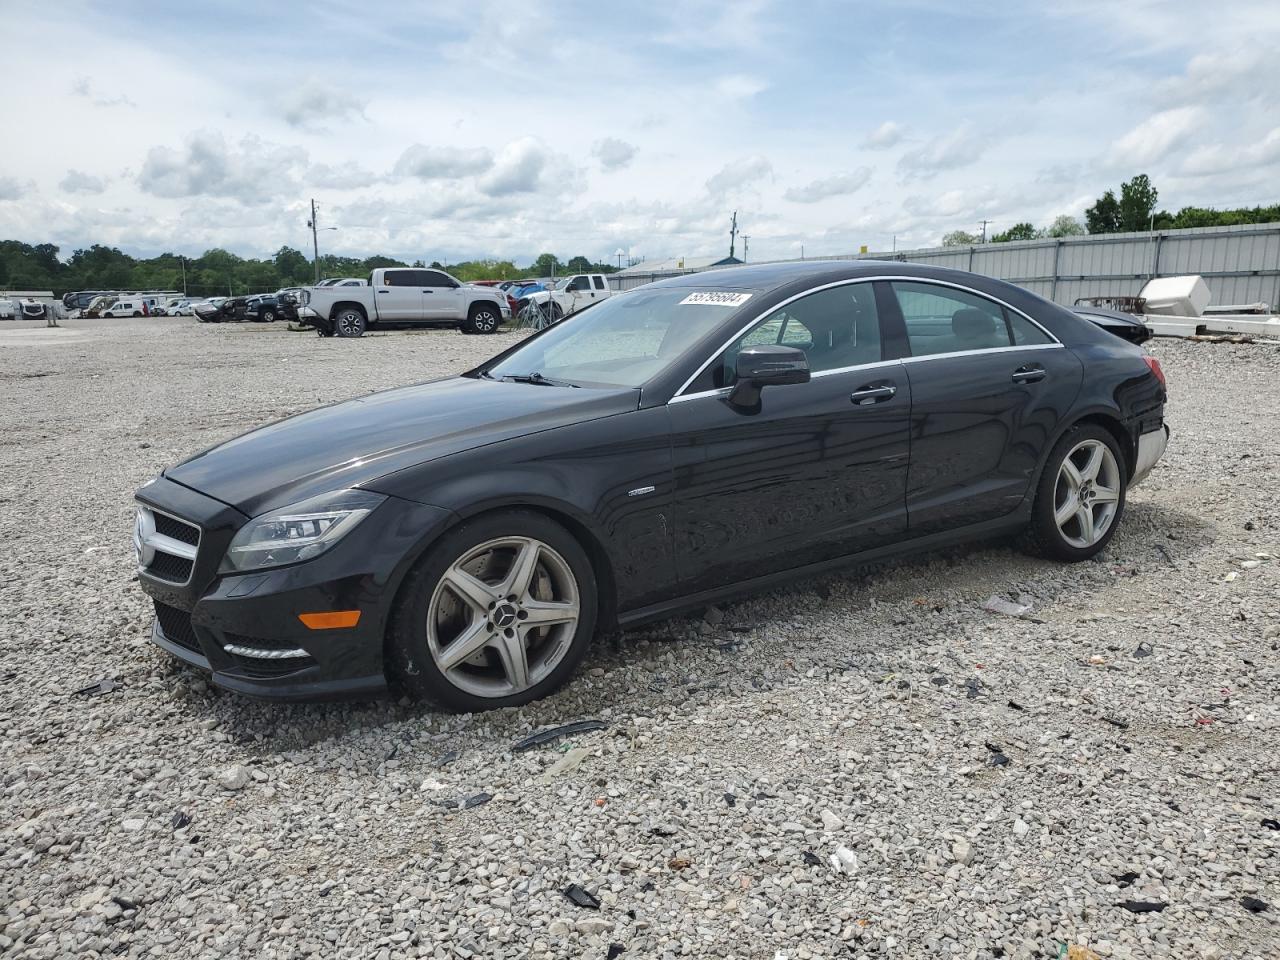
[1154, 366]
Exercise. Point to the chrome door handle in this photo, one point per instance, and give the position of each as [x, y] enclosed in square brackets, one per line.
[1029, 374]
[878, 394]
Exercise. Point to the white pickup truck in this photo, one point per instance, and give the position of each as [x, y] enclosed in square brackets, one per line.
[569, 295]
[402, 295]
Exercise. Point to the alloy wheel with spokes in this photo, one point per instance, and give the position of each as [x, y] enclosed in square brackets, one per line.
[1087, 493]
[500, 612]
[1080, 496]
[503, 616]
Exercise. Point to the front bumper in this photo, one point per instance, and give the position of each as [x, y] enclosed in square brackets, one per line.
[1151, 447]
[209, 621]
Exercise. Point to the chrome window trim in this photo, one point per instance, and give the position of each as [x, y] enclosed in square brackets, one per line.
[681, 395]
[724, 391]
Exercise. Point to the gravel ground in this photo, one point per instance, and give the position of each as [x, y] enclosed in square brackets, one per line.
[989, 786]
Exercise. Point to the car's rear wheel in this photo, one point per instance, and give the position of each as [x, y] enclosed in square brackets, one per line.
[350, 322]
[497, 614]
[1080, 497]
[483, 318]
[269, 316]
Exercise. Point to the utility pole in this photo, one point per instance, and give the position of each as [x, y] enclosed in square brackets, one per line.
[733, 232]
[183, 261]
[746, 242]
[984, 230]
[315, 243]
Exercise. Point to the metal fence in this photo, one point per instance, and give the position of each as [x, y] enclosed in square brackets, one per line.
[1240, 264]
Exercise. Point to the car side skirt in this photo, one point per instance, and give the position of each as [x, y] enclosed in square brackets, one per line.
[1001, 526]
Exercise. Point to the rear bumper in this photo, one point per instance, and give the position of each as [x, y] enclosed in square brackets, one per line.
[1151, 447]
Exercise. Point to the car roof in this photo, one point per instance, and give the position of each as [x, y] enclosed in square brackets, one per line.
[766, 277]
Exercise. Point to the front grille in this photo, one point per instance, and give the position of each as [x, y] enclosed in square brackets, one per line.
[166, 566]
[175, 624]
[177, 529]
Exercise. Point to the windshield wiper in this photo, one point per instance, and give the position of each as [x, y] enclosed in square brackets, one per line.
[538, 379]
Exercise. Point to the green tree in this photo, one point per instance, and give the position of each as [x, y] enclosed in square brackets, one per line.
[1019, 231]
[1104, 215]
[1065, 225]
[578, 265]
[546, 264]
[293, 266]
[1137, 203]
[959, 238]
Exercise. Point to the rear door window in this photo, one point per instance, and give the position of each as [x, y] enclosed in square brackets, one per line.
[942, 319]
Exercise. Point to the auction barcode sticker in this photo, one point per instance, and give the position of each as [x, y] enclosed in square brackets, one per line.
[717, 298]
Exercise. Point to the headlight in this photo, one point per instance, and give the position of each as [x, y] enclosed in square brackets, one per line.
[306, 296]
[298, 532]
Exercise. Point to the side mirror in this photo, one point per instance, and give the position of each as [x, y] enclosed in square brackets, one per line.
[763, 366]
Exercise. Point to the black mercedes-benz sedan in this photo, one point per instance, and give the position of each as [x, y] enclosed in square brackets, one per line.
[463, 539]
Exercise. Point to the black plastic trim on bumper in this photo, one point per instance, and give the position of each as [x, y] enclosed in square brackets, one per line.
[344, 688]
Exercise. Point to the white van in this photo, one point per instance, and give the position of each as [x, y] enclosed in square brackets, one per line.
[126, 308]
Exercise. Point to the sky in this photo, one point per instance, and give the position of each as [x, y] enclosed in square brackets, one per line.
[450, 131]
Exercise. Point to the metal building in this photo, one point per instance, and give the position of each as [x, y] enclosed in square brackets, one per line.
[1240, 264]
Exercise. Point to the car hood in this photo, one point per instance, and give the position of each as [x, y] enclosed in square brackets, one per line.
[354, 443]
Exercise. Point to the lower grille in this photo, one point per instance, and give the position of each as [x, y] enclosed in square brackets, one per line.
[265, 667]
[176, 626]
[166, 566]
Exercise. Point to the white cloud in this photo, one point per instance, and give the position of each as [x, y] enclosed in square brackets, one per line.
[739, 86]
[252, 172]
[1219, 158]
[527, 166]
[312, 103]
[949, 151]
[886, 135]
[1153, 138]
[77, 182]
[81, 87]
[613, 154]
[13, 189]
[826, 187]
[442, 163]
[739, 173]
[347, 175]
[952, 203]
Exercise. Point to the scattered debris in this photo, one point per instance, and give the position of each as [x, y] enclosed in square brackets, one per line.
[1007, 608]
[730, 799]
[812, 859]
[1254, 905]
[730, 646]
[844, 861]
[1142, 906]
[972, 686]
[567, 764]
[1116, 722]
[1125, 879]
[1077, 952]
[1144, 650]
[555, 733]
[1270, 823]
[679, 863]
[479, 800]
[1016, 706]
[581, 897]
[96, 689]
[940, 679]
[741, 627]
[180, 820]
[615, 950]
[447, 758]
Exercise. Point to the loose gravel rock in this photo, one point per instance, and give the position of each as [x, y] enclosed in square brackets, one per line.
[821, 786]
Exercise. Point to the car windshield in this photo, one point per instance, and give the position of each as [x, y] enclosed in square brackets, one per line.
[624, 341]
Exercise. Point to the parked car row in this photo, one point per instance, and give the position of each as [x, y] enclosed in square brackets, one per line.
[259, 308]
[398, 296]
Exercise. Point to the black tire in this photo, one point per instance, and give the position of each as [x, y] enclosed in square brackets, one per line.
[1044, 536]
[409, 661]
[268, 316]
[350, 322]
[483, 318]
[137, 313]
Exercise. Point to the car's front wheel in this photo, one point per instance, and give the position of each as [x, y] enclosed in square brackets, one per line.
[350, 322]
[497, 614]
[268, 316]
[484, 318]
[1080, 498]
